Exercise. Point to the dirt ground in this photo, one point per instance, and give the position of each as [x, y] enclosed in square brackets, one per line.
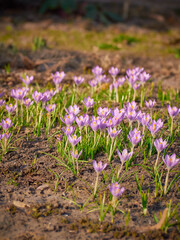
[29, 207]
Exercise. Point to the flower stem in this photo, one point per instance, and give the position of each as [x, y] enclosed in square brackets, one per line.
[166, 182]
[96, 184]
[119, 170]
[111, 149]
[157, 160]
[171, 126]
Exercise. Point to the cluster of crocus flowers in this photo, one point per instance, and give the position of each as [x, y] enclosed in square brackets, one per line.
[88, 102]
[5, 124]
[78, 80]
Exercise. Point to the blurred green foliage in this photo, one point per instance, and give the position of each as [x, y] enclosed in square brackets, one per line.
[106, 46]
[127, 38]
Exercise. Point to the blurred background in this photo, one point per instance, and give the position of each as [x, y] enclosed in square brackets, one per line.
[44, 36]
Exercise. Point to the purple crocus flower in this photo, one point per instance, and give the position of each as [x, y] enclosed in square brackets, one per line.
[113, 132]
[124, 156]
[27, 80]
[144, 119]
[19, 93]
[101, 78]
[74, 140]
[121, 80]
[97, 71]
[37, 96]
[144, 77]
[73, 110]
[10, 108]
[154, 127]
[6, 135]
[78, 80]
[160, 144]
[102, 124]
[88, 102]
[75, 154]
[109, 122]
[68, 119]
[103, 112]
[94, 124]
[99, 167]
[58, 77]
[150, 103]
[93, 83]
[2, 102]
[27, 102]
[132, 79]
[80, 121]
[170, 161]
[50, 107]
[132, 106]
[59, 137]
[173, 111]
[116, 84]
[118, 112]
[69, 130]
[115, 189]
[134, 71]
[134, 137]
[131, 114]
[6, 124]
[114, 71]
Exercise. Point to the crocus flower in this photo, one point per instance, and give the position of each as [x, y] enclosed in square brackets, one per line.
[150, 103]
[124, 156]
[78, 80]
[144, 77]
[154, 127]
[103, 112]
[27, 80]
[19, 93]
[101, 78]
[6, 124]
[74, 140]
[144, 119]
[119, 113]
[173, 111]
[68, 119]
[75, 154]
[10, 108]
[170, 162]
[131, 114]
[58, 77]
[93, 83]
[114, 71]
[80, 121]
[99, 167]
[6, 135]
[113, 132]
[109, 122]
[94, 124]
[27, 102]
[160, 144]
[73, 110]
[102, 124]
[115, 189]
[97, 71]
[134, 71]
[37, 96]
[132, 79]
[131, 106]
[88, 102]
[59, 137]
[121, 80]
[50, 108]
[69, 130]
[134, 137]
[2, 102]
